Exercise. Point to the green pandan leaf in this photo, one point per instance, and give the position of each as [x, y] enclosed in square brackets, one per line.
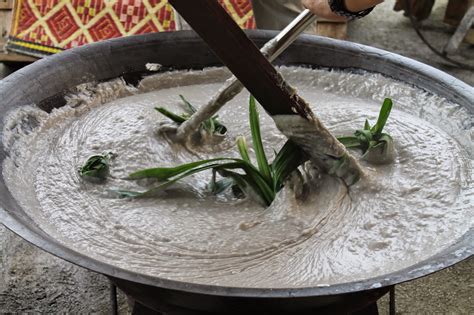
[383, 117]
[219, 186]
[243, 149]
[199, 167]
[126, 193]
[176, 118]
[366, 125]
[190, 109]
[262, 182]
[262, 161]
[287, 160]
[164, 173]
[211, 125]
[96, 168]
[350, 141]
[371, 140]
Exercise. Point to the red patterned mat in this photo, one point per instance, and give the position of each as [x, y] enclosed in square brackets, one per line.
[44, 27]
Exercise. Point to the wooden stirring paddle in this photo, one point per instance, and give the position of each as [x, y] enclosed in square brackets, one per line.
[271, 50]
[290, 112]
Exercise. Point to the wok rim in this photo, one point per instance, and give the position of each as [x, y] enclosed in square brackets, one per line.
[457, 252]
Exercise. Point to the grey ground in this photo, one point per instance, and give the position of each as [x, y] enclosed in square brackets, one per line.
[31, 280]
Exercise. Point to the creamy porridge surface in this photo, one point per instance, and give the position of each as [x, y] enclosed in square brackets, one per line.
[403, 213]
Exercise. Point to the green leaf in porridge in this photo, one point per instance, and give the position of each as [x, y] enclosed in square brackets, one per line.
[211, 125]
[96, 168]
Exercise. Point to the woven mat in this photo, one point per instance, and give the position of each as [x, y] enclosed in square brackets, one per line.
[44, 27]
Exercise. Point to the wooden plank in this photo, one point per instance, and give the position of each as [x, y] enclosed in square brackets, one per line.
[6, 4]
[331, 29]
[13, 57]
[461, 32]
[5, 23]
[469, 37]
[420, 9]
[455, 11]
[6, 13]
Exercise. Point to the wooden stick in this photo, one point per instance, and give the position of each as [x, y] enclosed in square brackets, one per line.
[240, 55]
[271, 50]
[290, 112]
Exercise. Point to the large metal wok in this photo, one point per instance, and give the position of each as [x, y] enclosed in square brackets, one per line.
[45, 82]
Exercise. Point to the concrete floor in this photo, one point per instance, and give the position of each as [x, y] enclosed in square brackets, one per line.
[391, 31]
[31, 280]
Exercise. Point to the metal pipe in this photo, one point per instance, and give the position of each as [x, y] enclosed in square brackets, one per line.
[392, 308]
[289, 34]
[113, 299]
